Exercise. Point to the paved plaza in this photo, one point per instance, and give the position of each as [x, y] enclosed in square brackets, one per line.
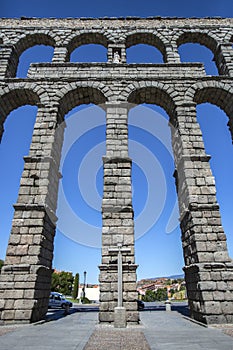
[158, 330]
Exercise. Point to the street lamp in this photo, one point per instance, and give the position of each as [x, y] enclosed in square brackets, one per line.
[84, 283]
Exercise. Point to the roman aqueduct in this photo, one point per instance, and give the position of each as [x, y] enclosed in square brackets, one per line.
[57, 87]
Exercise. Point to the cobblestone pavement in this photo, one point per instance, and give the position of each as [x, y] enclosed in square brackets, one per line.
[117, 339]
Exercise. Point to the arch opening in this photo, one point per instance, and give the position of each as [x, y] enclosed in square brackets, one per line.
[89, 53]
[15, 144]
[217, 141]
[16, 98]
[81, 187]
[195, 52]
[220, 96]
[143, 53]
[155, 96]
[37, 53]
[149, 39]
[154, 192]
[79, 96]
[86, 39]
[189, 50]
[22, 45]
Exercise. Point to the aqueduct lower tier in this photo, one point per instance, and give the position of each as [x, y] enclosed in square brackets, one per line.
[59, 86]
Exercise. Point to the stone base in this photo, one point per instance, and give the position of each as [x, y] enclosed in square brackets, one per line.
[210, 292]
[24, 293]
[120, 317]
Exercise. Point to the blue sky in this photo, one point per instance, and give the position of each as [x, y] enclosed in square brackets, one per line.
[157, 252]
[100, 8]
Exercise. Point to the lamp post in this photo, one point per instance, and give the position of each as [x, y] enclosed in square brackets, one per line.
[84, 283]
[119, 311]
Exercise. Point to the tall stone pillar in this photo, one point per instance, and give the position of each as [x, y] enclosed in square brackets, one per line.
[118, 224]
[208, 268]
[60, 54]
[26, 276]
[172, 54]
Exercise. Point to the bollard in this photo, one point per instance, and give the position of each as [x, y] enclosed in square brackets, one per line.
[66, 309]
[168, 305]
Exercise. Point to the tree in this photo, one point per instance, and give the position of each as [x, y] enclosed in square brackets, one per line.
[76, 286]
[168, 282]
[161, 294]
[1, 264]
[62, 282]
[149, 296]
[172, 291]
[55, 282]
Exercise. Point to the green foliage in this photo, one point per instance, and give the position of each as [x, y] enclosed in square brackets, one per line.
[62, 282]
[149, 296]
[161, 294]
[172, 291]
[76, 286]
[55, 282]
[1, 264]
[85, 300]
[182, 287]
[168, 282]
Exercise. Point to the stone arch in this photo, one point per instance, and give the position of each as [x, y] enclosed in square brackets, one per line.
[29, 40]
[85, 38]
[203, 38]
[149, 38]
[217, 93]
[77, 95]
[25, 42]
[17, 97]
[209, 40]
[158, 94]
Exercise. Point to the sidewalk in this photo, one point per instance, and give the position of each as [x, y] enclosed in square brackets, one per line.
[68, 333]
[171, 330]
[159, 330]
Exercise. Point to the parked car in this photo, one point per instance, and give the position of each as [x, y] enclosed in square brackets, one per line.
[58, 300]
[140, 305]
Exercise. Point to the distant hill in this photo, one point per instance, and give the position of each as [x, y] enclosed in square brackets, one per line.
[173, 277]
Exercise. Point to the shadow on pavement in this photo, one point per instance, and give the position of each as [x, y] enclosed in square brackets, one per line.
[87, 308]
[154, 308]
[182, 309]
[56, 314]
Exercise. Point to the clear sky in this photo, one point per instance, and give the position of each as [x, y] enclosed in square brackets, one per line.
[158, 245]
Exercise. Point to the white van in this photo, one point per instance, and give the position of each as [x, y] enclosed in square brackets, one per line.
[58, 300]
